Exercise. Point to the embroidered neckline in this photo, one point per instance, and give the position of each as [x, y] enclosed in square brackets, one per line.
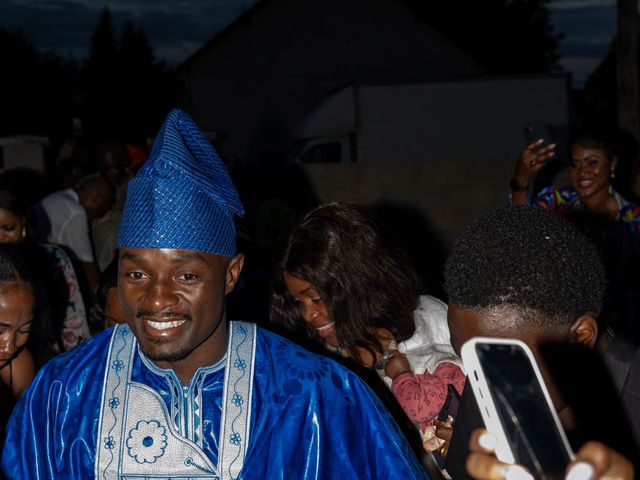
[168, 372]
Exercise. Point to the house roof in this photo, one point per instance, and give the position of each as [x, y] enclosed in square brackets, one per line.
[413, 6]
[243, 19]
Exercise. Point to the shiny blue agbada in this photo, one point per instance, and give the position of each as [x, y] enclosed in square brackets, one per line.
[309, 418]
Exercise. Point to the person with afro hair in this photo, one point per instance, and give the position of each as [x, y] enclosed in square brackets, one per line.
[524, 273]
[531, 269]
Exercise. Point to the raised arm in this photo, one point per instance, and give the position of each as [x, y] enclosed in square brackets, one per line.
[532, 159]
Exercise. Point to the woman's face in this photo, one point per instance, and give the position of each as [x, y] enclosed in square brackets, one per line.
[312, 308]
[16, 313]
[11, 227]
[590, 170]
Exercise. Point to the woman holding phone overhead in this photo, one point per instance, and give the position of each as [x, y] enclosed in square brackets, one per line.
[591, 203]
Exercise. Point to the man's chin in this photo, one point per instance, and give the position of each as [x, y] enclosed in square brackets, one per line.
[156, 355]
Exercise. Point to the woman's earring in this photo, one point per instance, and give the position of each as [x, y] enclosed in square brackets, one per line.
[24, 232]
[613, 174]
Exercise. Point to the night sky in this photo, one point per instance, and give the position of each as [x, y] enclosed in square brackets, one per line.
[177, 28]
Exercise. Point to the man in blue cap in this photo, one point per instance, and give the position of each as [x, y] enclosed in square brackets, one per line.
[179, 392]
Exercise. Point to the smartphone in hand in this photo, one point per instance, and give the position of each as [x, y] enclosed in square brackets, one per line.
[516, 406]
[549, 134]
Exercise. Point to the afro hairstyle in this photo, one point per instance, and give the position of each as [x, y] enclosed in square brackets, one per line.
[527, 259]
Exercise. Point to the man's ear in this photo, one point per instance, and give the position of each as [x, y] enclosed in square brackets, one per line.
[233, 272]
[585, 330]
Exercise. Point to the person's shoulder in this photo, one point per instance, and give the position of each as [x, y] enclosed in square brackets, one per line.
[284, 346]
[86, 358]
[629, 211]
[567, 193]
[58, 196]
[431, 314]
[429, 303]
[562, 200]
[291, 362]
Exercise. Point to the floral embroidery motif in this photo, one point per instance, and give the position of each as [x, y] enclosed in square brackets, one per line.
[118, 365]
[114, 402]
[235, 438]
[240, 364]
[237, 400]
[109, 443]
[147, 441]
[241, 329]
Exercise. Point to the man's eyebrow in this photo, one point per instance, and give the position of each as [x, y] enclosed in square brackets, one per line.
[187, 257]
[175, 258]
[129, 256]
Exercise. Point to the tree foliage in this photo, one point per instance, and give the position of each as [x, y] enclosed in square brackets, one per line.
[120, 91]
[127, 92]
[35, 90]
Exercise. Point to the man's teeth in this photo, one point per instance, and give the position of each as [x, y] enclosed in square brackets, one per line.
[325, 327]
[165, 325]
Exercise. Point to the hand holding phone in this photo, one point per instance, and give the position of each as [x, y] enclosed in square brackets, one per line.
[594, 460]
[549, 141]
[516, 406]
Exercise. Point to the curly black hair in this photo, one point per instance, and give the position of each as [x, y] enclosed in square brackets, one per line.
[528, 259]
[359, 268]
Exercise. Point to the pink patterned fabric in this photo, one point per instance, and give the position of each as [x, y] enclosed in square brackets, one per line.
[422, 396]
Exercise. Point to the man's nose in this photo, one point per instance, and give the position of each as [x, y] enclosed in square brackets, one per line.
[161, 295]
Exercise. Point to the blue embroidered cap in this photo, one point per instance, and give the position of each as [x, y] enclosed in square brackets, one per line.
[182, 197]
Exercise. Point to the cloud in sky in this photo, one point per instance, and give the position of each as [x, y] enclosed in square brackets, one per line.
[589, 27]
[577, 4]
[175, 28]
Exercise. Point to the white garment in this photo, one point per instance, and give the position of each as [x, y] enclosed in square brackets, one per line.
[430, 344]
[63, 220]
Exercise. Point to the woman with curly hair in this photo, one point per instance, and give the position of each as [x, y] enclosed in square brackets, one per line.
[347, 282]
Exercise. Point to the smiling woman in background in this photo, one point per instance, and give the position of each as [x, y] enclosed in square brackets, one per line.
[65, 324]
[17, 306]
[346, 281]
[611, 222]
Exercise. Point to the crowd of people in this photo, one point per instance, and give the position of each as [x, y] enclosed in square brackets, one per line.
[117, 359]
